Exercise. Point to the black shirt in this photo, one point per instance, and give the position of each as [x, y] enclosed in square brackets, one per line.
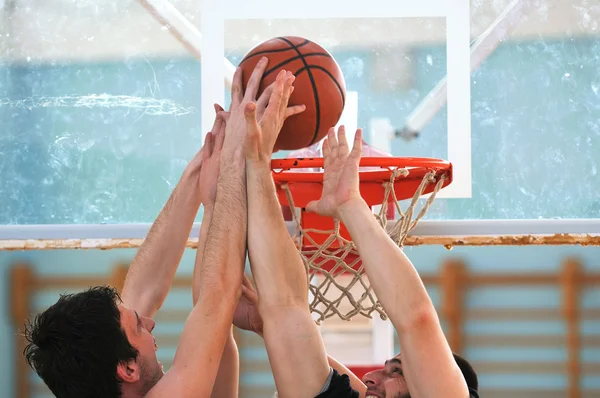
[339, 386]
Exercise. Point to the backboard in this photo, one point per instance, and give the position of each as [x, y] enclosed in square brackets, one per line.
[531, 99]
[373, 44]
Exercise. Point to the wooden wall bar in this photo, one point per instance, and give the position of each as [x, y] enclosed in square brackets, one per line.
[454, 281]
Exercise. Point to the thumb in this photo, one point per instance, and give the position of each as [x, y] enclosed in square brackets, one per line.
[312, 206]
[208, 146]
[252, 127]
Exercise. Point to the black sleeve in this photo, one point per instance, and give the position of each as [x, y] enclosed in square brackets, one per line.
[339, 387]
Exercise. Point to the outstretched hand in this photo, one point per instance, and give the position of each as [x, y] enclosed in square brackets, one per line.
[236, 124]
[265, 118]
[211, 159]
[340, 178]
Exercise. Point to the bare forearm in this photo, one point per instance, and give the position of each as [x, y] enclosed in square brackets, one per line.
[153, 268]
[201, 348]
[225, 249]
[204, 227]
[393, 277]
[290, 333]
[273, 254]
[218, 276]
[227, 381]
[429, 368]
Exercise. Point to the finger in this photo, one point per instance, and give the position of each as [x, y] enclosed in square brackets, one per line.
[327, 149]
[357, 149]
[343, 142]
[252, 128]
[219, 120]
[236, 87]
[246, 282]
[255, 78]
[218, 124]
[245, 292]
[312, 206]
[294, 110]
[220, 135]
[218, 109]
[263, 100]
[277, 96]
[208, 146]
[333, 144]
[248, 289]
[250, 114]
[287, 91]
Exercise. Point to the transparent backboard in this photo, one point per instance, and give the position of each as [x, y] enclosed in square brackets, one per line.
[101, 108]
[100, 115]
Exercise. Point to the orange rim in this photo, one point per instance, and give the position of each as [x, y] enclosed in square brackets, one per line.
[307, 186]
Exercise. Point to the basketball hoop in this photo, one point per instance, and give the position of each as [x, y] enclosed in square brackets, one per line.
[324, 243]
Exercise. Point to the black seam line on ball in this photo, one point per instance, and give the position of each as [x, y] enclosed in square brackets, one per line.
[314, 88]
[279, 50]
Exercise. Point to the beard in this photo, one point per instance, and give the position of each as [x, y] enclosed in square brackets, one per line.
[151, 374]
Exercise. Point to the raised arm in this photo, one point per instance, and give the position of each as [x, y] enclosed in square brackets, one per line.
[227, 380]
[207, 329]
[294, 346]
[153, 268]
[428, 365]
[248, 318]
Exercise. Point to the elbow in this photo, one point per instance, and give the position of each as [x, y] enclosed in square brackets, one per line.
[419, 320]
[150, 301]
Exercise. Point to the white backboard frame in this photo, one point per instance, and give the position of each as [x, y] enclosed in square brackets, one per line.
[456, 12]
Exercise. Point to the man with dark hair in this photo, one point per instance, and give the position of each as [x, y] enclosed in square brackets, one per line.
[389, 382]
[89, 324]
[94, 345]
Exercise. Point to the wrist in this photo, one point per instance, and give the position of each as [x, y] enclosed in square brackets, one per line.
[188, 188]
[232, 157]
[351, 207]
[259, 166]
[259, 173]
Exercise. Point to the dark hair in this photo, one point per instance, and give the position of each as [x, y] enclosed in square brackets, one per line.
[77, 343]
[467, 371]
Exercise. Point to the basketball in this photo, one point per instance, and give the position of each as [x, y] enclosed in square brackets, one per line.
[319, 85]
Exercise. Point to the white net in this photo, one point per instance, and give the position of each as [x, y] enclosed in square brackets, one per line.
[327, 262]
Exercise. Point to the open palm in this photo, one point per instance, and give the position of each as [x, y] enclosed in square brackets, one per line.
[265, 118]
[340, 178]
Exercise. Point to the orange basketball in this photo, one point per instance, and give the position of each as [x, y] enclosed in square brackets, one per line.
[319, 85]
